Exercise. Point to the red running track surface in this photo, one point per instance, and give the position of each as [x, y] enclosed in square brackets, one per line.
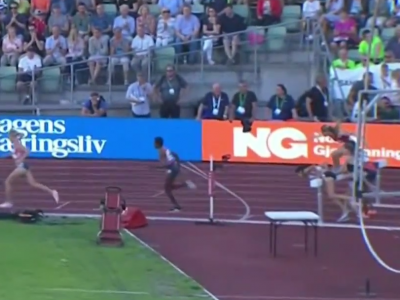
[250, 189]
[232, 261]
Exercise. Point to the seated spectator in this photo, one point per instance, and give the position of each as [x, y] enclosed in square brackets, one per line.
[119, 49]
[174, 6]
[359, 86]
[394, 9]
[363, 63]
[126, 22]
[211, 29]
[59, 20]
[282, 105]
[34, 40]
[24, 7]
[139, 95]
[96, 106]
[67, 7]
[244, 104]
[311, 11]
[333, 8]
[383, 13]
[358, 12]
[81, 21]
[16, 20]
[187, 31]
[386, 81]
[389, 57]
[345, 32]
[170, 88]
[165, 28]
[76, 48]
[268, 12]
[133, 6]
[393, 44]
[90, 5]
[231, 24]
[343, 62]
[42, 6]
[395, 84]
[146, 20]
[28, 72]
[214, 105]
[38, 20]
[102, 21]
[141, 45]
[387, 111]
[377, 49]
[56, 48]
[12, 48]
[98, 52]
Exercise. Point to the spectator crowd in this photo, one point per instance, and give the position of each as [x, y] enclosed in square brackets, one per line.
[123, 34]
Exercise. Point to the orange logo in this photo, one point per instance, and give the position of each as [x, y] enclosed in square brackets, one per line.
[290, 142]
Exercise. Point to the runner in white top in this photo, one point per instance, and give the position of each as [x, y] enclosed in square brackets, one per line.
[20, 153]
[171, 162]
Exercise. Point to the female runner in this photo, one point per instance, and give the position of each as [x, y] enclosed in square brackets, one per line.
[171, 162]
[347, 202]
[19, 155]
[335, 133]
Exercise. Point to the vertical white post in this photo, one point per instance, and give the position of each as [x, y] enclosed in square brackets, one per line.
[320, 205]
[211, 180]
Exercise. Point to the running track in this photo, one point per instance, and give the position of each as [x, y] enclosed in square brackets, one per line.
[247, 189]
[232, 261]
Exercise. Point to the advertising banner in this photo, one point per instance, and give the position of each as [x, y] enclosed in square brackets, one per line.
[102, 138]
[291, 142]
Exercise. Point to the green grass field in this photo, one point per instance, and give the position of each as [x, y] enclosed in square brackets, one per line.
[63, 262]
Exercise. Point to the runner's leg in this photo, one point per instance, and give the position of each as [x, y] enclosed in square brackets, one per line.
[31, 180]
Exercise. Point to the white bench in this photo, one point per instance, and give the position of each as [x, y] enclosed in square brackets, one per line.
[276, 218]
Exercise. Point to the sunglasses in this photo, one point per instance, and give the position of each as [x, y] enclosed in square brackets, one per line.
[13, 7]
[166, 12]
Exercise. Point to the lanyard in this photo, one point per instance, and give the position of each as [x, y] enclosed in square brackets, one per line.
[242, 99]
[323, 94]
[217, 102]
[280, 102]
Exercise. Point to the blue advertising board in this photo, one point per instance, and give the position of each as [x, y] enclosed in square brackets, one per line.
[102, 138]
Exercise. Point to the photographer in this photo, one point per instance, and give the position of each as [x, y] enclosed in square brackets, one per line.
[96, 106]
[244, 104]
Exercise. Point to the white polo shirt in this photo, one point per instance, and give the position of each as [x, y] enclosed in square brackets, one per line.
[141, 45]
[28, 64]
[140, 93]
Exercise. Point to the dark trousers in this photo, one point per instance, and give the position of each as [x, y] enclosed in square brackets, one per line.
[141, 116]
[268, 20]
[170, 109]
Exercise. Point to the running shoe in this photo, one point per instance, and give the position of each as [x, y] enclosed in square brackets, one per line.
[54, 193]
[6, 205]
[190, 184]
[175, 209]
[344, 217]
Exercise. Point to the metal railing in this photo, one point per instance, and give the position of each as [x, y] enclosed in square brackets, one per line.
[55, 81]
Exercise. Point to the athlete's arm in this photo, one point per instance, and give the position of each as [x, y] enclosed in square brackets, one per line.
[178, 160]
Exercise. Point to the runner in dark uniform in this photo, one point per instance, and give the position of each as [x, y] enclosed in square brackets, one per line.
[171, 162]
